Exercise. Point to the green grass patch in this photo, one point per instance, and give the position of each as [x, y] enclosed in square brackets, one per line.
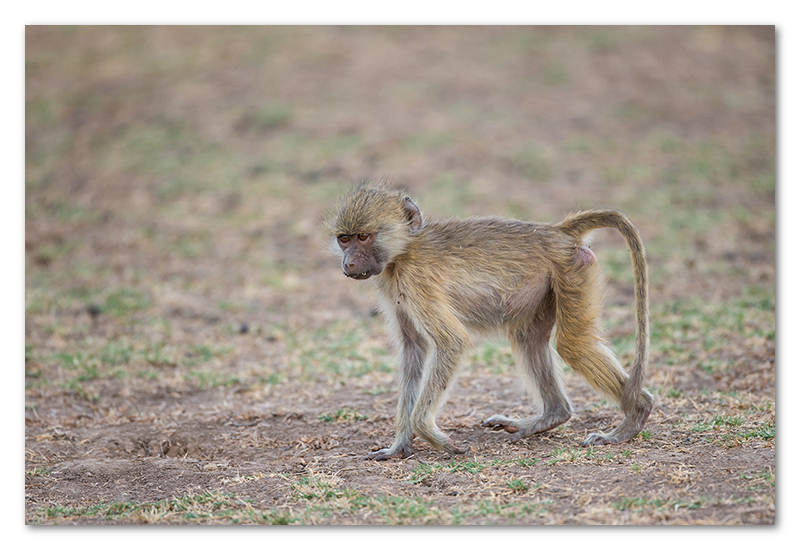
[269, 117]
[211, 379]
[426, 141]
[162, 147]
[423, 471]
[115, 353]
[508, 511]
[400, 509]
[207, 507]
[714, 325]
[345, 414]
[534, 161]
[337, 351]
[641, 504]
[449, 195]
[161, 355]
[495, 355]
[52, 251]
[594, 455]
[517, 485]
[719, 421]
[199, 353]
[319, 487]
[765, 432]
[733, 430]
[522, 461]
[96, 359]
[272, 379]
[124, 301]
[762, 480]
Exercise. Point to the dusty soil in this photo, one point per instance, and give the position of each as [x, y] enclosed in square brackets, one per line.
[193, 354]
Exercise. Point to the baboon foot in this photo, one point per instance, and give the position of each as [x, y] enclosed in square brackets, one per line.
[612, 438]
[622, 433]
[404, 451]
[437, 438]
[602, 439]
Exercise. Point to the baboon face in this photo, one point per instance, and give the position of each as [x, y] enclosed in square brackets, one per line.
[361, 257]
[373, 226]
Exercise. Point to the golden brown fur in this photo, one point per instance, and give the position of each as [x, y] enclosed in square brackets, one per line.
[441, 281]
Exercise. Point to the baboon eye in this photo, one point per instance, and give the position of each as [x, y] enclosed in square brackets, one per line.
[363, 237]
[344, 239]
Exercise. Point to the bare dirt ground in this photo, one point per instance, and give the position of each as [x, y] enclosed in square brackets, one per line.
[194, 355]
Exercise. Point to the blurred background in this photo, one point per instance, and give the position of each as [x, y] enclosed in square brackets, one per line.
[204, 157]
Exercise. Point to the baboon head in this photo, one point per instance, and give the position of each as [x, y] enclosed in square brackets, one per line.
[373, 225]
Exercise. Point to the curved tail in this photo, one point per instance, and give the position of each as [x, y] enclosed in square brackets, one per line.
[577, 226]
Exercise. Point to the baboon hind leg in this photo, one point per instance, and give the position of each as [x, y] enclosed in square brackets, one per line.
[579, 342]
[602, 370]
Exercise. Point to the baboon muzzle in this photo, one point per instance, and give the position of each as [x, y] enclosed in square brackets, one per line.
[359, 276]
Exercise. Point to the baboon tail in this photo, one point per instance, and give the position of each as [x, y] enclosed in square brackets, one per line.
[578, 225]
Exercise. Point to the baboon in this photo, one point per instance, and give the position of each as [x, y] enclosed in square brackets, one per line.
[440, 281]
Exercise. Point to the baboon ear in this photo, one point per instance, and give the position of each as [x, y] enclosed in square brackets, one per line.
[413, 215]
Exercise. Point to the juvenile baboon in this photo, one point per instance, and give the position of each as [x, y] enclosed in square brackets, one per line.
[440, 281]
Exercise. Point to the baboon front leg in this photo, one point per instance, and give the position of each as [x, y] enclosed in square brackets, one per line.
[436, 382]
[413, 353]
[404, 436]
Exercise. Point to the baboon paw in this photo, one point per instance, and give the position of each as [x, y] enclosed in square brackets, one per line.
[497, 423]
[386, 454]
[457, 450]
